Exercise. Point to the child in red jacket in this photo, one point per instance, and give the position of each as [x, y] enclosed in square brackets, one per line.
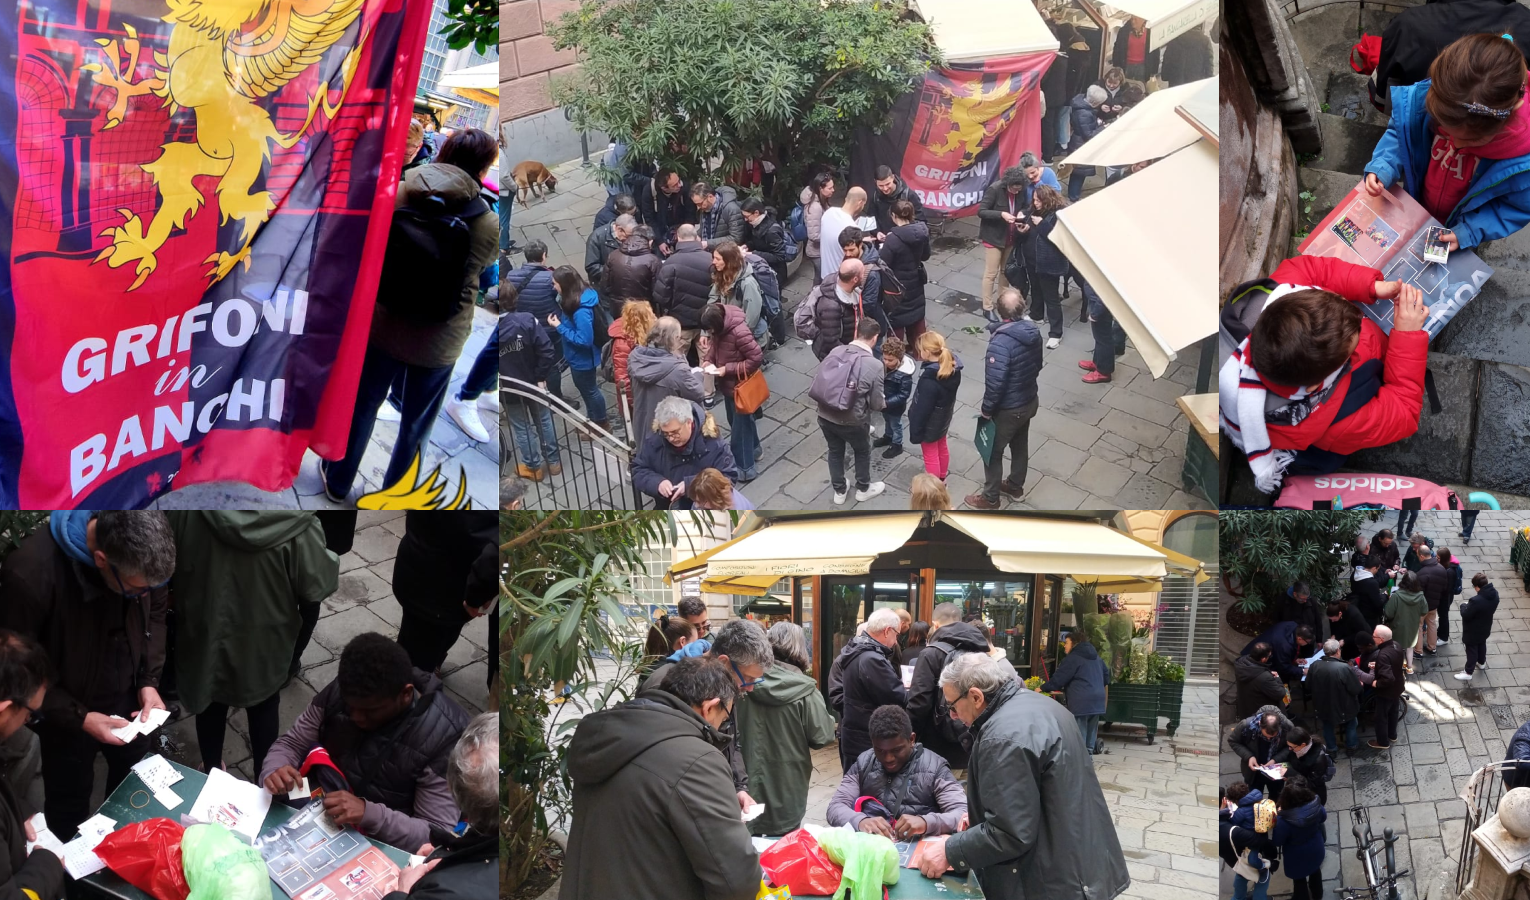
[1316, 380]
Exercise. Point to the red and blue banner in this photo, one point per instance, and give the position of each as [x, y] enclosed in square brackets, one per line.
[194, 203]
[951, 137]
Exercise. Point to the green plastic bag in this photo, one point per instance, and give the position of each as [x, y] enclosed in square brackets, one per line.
[869, 860]
[983, 438]
[219, 866]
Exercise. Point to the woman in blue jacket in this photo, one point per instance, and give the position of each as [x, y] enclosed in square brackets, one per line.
[578, 302]
[1299, 835]
[1082, 676]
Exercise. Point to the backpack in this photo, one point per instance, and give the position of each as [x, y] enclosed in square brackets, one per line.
[1329, 769]
[892, 288]
[789, 243]
[602, 326]
[428, 251]
[804, 317]
[834, 384]
[948, 728]
[770, 285]
[796, 226]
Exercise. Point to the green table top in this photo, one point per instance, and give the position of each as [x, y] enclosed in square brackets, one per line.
[914, 886]
[107, 883]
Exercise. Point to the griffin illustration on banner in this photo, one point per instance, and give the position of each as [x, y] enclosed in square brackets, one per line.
[224, 56]
[976, 115]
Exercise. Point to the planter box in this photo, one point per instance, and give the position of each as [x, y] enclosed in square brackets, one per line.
[1135, 703]
[1171, 695]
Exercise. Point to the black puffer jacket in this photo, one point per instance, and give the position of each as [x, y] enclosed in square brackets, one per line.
[631, 272]
[1436, 583]
[904, 251]
[537, 294]
[882, 204]
[684, 284]
[871, 679]
[768, 241]
[929, 416]
[1012, 363]
[924, 787]
[469, 871]
[836, 319]
[933, 724]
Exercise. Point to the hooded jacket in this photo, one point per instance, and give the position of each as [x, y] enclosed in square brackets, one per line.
[924, 787]
[1257, 686]
[684, 284]
[904, 251]
[445, 562]
[652, 789]
[1282, 639]
[735, 350]
[1040, 826]
[1477, 615]
[1247, 740]
[882, 204]
[929, 417]
[730, 745]
[436, 344]
[1404, 611]
[241, 579]
[1300, 836]
[657, 373]
[469, 871]
[779, 722]
[631, 271]
[1083, 677]
[725, 221]
[1435, 581]
[53, 597]
[933, 723]
[578, 332]
[536, 292]
[1367, 596]
[1415, 36]
[1012, 364]
[897, 385]
[871, 679]
[658, 460]
[525, 350]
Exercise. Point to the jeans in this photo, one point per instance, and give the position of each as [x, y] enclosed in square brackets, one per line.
[265, 727]
[993, 271]
[1109, 339]
[1240, 888]
[1476, 654]
[1088, 729]
[857, 437]
[1048, 300]
[485, 371]
[1076, 182]
[506, 200]
[937, 457]
[1064, 129]
[587, 381]
[424, 389]
[1351, 732]
[762, 331]
[555, 377]
[1410, 516]
[1388, 712]
[528, 437]
[894, 423]
[742, 438]
[1468, 522]
[1012, 429]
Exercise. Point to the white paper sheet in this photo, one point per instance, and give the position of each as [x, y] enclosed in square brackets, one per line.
[134, 728]
[754, 812]
[167, 798]
[156, 772]
[46, 839]
[1310, 660]
[80, 858]
[301, 792]
[238, 805]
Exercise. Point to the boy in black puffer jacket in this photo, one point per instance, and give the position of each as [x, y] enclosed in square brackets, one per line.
[897, 385]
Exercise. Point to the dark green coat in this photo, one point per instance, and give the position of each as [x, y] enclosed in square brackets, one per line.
[240, 578]
[777, 724]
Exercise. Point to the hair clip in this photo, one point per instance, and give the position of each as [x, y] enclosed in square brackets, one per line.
[1478, 109]
[1508, 37]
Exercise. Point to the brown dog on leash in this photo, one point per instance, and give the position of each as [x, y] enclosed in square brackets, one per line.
[532, 177]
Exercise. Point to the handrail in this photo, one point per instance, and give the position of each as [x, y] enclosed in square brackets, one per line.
[594, 463]
[1481, 796]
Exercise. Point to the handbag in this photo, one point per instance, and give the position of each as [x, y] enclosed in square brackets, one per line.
[751, 392]
[1252, 873]
[983, 439]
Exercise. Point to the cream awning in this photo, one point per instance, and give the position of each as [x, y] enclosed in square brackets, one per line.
[837, 546]
[1147, 245]
[477, 83]
[756, 586]
[1167, 19]
[968, 30]
[1084, 549]
[1152, 129]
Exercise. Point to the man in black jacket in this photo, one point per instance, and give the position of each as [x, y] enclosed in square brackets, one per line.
[891, 189]
[664, 206]
[765, 237]
[1256, 740]
[933, 722]
[871, 679]
[468, 868]
[604, 241]
[1291, 644]
[1437, 584]
[1335, 687]
[616, 205]
[1298, 606]
[1345, 622]
[1477, 625]
[1258, 684]
[1391, 681]
[1416, 36]
[23, 683]
[445, 575]
[1366, 592]
[684, 284]
[1010, 399]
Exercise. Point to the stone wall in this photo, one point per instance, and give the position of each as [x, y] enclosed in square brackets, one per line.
[527, 60]
[1258, 179]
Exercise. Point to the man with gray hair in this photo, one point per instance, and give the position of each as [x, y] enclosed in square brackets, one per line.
[742, 645]
[870, 678]
[469, 870]
[676, 451]
[606, 238]
[1335, 689]
[1039, 823]
[92, 589]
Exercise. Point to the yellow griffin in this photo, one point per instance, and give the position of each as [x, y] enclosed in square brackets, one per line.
[224, 56]
[973, 117]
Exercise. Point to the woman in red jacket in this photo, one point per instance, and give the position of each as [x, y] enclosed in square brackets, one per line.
[631, 330]
[733, 353]
[1316, 380]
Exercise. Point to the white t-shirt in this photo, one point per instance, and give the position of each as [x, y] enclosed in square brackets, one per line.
[835, 220]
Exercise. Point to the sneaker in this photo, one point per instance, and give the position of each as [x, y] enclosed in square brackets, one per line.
[1482, 665]
[387, 413]
[1462, 676]
[892, 451]
[1009, 487]
[489, 400]
[1096, 378]
[1426, 652]
[1086, 364]
[876, 487]
[1441, 642]
[711, 401]
[1375, 746]
[1408, 668]
[465, 414]
[882, 441]
[839, 498]
[977, 501]
[1054, 343]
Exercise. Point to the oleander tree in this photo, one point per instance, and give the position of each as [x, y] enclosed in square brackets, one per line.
[687, 81]
[15, 525]
[1263, 553]
[473, 22]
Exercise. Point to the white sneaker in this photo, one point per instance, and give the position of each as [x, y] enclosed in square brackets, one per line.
[1441, 642]
[876, 487]
[839, 499]
[1462, 676]
[1482, 665]
[465, 414]
[386, 413]
[1054, 343]
[489, 400]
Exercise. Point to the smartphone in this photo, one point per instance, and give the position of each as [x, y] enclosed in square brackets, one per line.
[1435, 248]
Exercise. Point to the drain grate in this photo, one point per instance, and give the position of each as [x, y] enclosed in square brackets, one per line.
[1510, 717]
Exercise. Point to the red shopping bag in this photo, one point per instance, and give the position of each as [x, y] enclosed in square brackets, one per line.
[797, 862]
[147, 855]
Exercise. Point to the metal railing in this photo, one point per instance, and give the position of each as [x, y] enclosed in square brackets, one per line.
[1293, 8]
[593, 464]
[1482, 795]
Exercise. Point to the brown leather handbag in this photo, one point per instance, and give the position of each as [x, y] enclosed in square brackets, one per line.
[751, 392]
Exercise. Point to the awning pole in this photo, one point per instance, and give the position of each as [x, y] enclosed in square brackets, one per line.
[1208, 364]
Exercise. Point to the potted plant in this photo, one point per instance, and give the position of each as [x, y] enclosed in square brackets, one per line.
[1170, 676]
[1130, 697]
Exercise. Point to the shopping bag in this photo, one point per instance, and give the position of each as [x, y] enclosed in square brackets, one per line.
[750, 393]
[219, 866]
[984, 438]
[798, 863]
[147, 855]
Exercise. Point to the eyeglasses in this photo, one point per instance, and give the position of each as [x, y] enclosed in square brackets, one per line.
[134, 593]
[744, 683]
[34, 716]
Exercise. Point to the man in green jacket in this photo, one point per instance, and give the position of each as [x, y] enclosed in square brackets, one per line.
[779, 723]
[240, 585]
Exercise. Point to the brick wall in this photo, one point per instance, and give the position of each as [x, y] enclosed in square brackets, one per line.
[527, 60]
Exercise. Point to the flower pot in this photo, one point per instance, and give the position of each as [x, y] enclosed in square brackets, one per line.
[1135, 703]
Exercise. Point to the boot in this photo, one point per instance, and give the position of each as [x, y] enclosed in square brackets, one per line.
[587, 435]
[552, 469]
[528, 472]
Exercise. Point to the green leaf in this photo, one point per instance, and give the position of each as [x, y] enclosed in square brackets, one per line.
[570, 622]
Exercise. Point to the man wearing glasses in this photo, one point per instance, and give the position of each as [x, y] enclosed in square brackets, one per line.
[92, 590]
[694, 611]
[24, 673]
[742, 645]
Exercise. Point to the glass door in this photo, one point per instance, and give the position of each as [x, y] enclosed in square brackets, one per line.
[848, 600]
[1000, 604]
[1049, 648]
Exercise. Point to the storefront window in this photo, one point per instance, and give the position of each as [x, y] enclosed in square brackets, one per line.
[1002, 605]
[805, 612]
[845, 610]
[1047, 634]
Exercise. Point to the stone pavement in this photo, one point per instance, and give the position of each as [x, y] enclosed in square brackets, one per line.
[364, 602]
[1115, 446]
[450, 448]
[1451, 729]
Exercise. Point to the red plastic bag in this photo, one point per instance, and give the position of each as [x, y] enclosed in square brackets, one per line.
[147, 855]
[797, 862]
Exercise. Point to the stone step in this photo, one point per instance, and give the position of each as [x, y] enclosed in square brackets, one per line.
[1348, 96]
[1347, 143]
[1327, 188]
[1496, 325]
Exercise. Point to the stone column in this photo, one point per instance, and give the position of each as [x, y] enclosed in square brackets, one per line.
[1503, 851]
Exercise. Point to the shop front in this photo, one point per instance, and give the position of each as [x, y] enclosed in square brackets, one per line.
[1014, 573]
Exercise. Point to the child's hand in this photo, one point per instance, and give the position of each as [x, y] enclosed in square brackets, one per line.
[1386, 290]
[1410, 311]
[1450, 239]
[1372, 184]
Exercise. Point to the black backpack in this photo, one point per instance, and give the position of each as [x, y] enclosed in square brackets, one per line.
[945, 725]
[428, 252]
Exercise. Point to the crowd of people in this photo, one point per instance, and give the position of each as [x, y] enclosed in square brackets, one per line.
[108, 616]
[998, 774]
[680, 298]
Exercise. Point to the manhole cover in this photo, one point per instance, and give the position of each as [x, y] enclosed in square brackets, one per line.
[1510, 717]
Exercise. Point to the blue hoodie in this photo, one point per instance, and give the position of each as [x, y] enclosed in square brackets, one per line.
[68, 529]
[578, 332]
[1497, 203]
[694, 648]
